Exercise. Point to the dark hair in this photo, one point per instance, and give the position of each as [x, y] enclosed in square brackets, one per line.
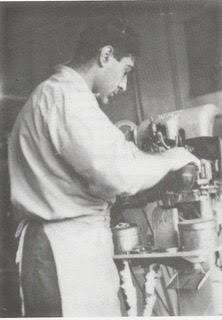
[121, 37]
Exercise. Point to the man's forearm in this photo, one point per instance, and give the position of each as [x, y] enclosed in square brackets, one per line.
[149, 169]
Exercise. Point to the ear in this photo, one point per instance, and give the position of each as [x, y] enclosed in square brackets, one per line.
[105, 54]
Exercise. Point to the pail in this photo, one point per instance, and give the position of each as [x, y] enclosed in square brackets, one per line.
[197, 234]
[125, 237]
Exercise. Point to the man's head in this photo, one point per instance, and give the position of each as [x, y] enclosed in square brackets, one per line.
[112, 47]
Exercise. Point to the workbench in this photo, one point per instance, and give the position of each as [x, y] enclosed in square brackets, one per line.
[187, 276]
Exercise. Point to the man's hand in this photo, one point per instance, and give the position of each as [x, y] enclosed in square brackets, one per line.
[178, 157]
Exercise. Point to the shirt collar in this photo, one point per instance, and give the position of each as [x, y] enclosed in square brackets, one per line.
[72, 75]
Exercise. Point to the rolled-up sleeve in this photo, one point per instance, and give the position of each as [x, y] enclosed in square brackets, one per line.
[92, 146]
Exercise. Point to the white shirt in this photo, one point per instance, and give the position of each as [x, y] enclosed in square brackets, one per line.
[66, 158]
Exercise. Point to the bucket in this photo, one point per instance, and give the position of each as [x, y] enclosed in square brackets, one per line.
[197, 234]
[125, 237]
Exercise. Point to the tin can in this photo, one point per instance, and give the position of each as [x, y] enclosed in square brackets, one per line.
[125, 237]
[197, 234]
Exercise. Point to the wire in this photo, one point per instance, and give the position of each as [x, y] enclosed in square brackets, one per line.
[163, 303]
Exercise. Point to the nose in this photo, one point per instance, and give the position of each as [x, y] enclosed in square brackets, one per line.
[123, 84]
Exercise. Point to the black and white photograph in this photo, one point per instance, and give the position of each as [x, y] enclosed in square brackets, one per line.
[110, 158]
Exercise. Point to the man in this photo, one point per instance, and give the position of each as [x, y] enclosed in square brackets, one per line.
[67, 163]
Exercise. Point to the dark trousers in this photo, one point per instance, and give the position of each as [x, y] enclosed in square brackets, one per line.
[39, 277]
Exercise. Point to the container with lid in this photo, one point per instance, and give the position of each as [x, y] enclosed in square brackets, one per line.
[197, 234]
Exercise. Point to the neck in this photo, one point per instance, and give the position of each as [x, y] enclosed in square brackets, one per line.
[87, 72]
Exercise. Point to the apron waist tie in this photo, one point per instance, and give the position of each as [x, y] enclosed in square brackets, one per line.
[20, 235]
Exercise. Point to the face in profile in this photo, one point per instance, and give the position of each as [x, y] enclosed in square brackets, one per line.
[112, 76]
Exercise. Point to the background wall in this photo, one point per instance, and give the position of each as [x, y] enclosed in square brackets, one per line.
[179, 67]
[180, 60]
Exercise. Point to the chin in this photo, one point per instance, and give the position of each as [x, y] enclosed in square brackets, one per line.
[105, 100]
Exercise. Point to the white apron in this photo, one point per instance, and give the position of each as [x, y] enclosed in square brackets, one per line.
[87, 276]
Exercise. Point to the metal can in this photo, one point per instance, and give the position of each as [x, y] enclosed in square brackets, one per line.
[125, 237]
[197, 234]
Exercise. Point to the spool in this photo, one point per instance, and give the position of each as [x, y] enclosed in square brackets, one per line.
[197, 234]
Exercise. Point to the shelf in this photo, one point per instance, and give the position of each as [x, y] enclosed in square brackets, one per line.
[179, 258]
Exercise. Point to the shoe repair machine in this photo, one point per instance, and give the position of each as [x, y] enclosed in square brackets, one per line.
[188, 216]
[195, 193]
